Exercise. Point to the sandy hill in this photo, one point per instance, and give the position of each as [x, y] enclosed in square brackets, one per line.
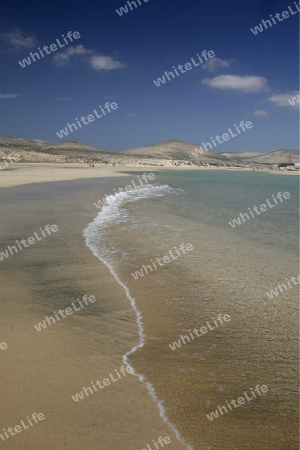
[173, 149]
[167, 153]
[13, 142]
[72, 145]
[36, 150]
[277, 157]
[46, 147]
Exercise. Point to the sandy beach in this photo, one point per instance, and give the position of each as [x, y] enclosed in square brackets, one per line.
[149, 233]
[40, 371]
[18, 174]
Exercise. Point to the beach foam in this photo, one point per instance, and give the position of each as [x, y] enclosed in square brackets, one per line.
[113, 213]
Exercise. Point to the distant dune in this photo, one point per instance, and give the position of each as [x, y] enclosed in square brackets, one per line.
[177, 150]
[173, 149]
[167, 153]
[72, 145]
[167, 149]
[277, 157]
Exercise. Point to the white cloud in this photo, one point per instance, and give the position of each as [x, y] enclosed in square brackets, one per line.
[260, 112]
[19, 39]
[214, 64]
[283, 99]
[79, 50]
[97, 62]
[132, 114]
[10, 95]
[61, 59]
[100, 62]
[237, 82]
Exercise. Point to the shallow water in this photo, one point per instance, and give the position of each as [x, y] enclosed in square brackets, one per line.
[229, 271]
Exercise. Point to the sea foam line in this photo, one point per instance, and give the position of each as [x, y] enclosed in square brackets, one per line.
[87, 233]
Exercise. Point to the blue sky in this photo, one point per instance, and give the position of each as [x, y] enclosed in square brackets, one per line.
[117, 58]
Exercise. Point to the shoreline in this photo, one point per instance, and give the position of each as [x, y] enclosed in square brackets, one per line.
[22, 173]
[139, 345]
[90, 344]
[51, 366]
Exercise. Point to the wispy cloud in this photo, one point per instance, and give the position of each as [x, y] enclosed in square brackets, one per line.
[80, 53]
[132, 114]
[237, 83]
[99, 62]
[79, 50]
[18, 39]
[10, 95]
[75, 53]
[283, 99]
[260, 112]
[214, 64]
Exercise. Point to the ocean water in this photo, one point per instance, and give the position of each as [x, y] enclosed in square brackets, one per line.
[229, 271]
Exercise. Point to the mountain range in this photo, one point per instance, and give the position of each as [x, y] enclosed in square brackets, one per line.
[167, 153]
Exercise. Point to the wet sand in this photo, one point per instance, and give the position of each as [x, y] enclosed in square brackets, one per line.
[41, 370]
[257, 347]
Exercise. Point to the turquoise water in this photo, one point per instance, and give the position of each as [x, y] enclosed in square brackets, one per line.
[214, 198]
[229, 271]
